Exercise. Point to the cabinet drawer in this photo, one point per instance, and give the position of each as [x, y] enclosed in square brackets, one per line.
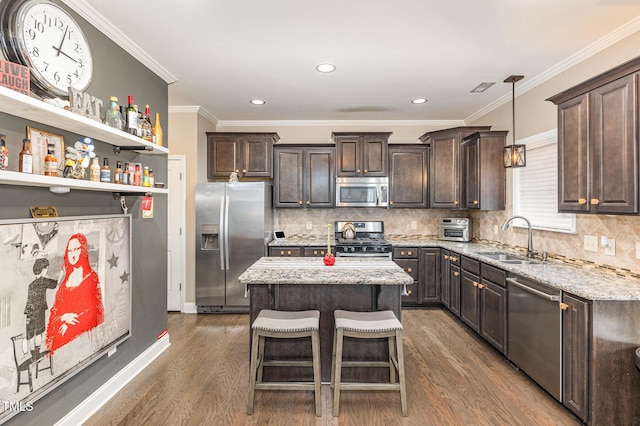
[495, 275]
[405, 253]
[470, 265]
[410, 266]
[454, 258]
[315, 251]
[286, 251]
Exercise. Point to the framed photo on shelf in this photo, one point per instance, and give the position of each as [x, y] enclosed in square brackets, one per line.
[40, 140]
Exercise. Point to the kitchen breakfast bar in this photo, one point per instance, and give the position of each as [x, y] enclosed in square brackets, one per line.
[296, 284]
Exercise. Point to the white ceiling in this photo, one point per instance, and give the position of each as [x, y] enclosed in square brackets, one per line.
[222, 53]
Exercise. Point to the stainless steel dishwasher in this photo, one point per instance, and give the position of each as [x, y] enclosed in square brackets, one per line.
[535, 332]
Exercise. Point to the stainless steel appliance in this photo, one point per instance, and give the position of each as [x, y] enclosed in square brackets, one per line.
[456, 229]
[535, 332]
[234, 222]
[362, 239]
[362, 192]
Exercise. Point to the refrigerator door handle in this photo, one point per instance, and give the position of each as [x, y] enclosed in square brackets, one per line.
[223, 247]
[226, 231]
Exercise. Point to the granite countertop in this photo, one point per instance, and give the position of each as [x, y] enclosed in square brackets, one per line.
[583, 282]
[302, 241]
[312, 270]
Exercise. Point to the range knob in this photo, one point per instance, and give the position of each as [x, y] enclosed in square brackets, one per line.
[352, 249]
[364, 249]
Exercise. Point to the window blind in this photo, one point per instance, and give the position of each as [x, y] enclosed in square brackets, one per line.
[535, 187]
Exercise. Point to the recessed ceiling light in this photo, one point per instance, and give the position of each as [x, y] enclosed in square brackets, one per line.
[257, 102]
[483, 86]
[419, 101]
[325, 68]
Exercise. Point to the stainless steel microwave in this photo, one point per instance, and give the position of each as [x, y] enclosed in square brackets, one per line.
[362, 192]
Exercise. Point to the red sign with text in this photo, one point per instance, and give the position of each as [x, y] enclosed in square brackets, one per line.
[15, 77]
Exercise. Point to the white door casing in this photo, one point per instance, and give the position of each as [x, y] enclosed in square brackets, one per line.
[176, 232]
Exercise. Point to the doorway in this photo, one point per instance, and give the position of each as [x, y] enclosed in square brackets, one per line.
[176, 235]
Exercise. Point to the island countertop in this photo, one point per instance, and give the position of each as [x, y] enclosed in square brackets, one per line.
[310, 270]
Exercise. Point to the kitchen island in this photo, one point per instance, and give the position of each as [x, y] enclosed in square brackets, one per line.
[295, 284]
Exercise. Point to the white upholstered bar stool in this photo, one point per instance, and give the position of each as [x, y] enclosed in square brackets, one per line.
[368, 325]
[284, 325]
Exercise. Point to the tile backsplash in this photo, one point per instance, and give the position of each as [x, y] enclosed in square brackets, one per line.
[624, 229]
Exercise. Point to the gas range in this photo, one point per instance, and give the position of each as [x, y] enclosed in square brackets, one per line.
[361, 239]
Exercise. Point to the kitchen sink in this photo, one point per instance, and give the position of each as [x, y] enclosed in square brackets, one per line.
[504, 257]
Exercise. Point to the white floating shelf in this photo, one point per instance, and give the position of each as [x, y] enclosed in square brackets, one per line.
[59, 185]
[14, 103]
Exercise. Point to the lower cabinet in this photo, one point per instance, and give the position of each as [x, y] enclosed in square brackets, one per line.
[454, 286]
[445, 278]
[429, 276]
[286, 251]
[470, 293]
[407, 259]
[575, 355]
[493, 306]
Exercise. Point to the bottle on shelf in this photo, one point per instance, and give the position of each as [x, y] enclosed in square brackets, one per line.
[4, 153]
[126, 175]
[105, 171]
[146, 128]
[131, 117]
[117, 173]
[152, 178]
[145, 177]
[139, 121]
[113, 118]
[157, 130]
[50, 161]
[94, 172]
[137, 176]
[25, 160]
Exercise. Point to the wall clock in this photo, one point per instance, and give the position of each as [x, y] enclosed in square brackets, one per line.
[42, 36]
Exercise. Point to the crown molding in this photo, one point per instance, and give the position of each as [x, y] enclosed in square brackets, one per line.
[194, 109]
[341, 123]
[82, 8]
[594, 48]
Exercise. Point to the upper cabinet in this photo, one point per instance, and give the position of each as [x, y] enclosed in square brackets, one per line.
[598, 143]
[250, 155]
[408, 176]
[445, 171]
[304, 177]
[483, 172]
[361, 154]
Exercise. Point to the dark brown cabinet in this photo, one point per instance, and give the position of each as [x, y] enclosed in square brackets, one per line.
[483, 171]
[470, 293]
[304, 177]
[407, 259]
[454, 283]
[445, 277]
[575, 355]
[286, 251]
[408, 174]
[429, 276]
[314, 251]
[598, 143]
[445, 168]
[361, 154]
[493, 306]
[248, 154]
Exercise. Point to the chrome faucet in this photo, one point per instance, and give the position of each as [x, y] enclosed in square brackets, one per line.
[530, 251]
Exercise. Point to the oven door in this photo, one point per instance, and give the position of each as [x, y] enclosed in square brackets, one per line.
[454, 233]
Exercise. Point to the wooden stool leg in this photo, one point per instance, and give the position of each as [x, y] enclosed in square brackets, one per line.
[403, 390]
[260, 358]
[253, 371]
[315, 348]
[333, 359]
[392, 368]
[338, 373]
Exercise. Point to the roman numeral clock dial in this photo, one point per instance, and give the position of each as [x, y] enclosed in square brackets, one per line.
[41, 35]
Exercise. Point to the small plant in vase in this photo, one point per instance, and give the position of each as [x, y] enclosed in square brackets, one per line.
[329, 259]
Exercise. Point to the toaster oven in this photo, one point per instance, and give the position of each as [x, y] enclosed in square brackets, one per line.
[456, 229]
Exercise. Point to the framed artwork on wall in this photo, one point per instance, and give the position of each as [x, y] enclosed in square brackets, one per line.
[65, 300]
[40, 141]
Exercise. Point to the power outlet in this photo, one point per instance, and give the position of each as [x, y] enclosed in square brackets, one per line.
[611, 249]
[414, 224]
[591, 243]
[309, 225]
[495, 229]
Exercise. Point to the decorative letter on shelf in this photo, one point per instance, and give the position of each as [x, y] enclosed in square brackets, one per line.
[84, 104]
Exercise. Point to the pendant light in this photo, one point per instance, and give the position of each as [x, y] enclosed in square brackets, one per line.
[514, 155]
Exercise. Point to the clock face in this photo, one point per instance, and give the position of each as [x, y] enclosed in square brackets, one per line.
[50, 42]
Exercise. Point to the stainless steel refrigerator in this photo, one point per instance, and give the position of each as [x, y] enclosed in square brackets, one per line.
[234, 224]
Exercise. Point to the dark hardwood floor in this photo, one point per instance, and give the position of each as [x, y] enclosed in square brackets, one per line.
[453, 378]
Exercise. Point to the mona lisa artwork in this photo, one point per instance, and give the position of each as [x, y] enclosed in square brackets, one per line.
[65, 300]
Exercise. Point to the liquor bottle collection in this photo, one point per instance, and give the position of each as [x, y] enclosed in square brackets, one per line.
[81, 156]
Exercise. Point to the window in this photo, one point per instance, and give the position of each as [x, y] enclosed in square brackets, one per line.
[535, 187]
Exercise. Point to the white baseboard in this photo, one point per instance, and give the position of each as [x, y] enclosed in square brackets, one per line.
[96, 400]
[189, 308]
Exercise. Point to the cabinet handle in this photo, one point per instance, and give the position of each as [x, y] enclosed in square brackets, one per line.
[455, 259]
[475, 284]
[300, 202]
[308, 202]
[408, 253]
[315, 252]
[595, 201]
[409, 270]
[281, 252]
[446, 257]
[563, 306]
[322, 252]
[289, 253]
[358, 171]
[455, 202]
[401, 253]
[455, 274]
[409, 291]
[582, 201]
[366, 171]
[475, 202]
[237, 171]
[480, 286]
[244, 170]
[390, 202]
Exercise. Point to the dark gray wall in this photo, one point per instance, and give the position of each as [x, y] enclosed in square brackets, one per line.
[115, 73]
